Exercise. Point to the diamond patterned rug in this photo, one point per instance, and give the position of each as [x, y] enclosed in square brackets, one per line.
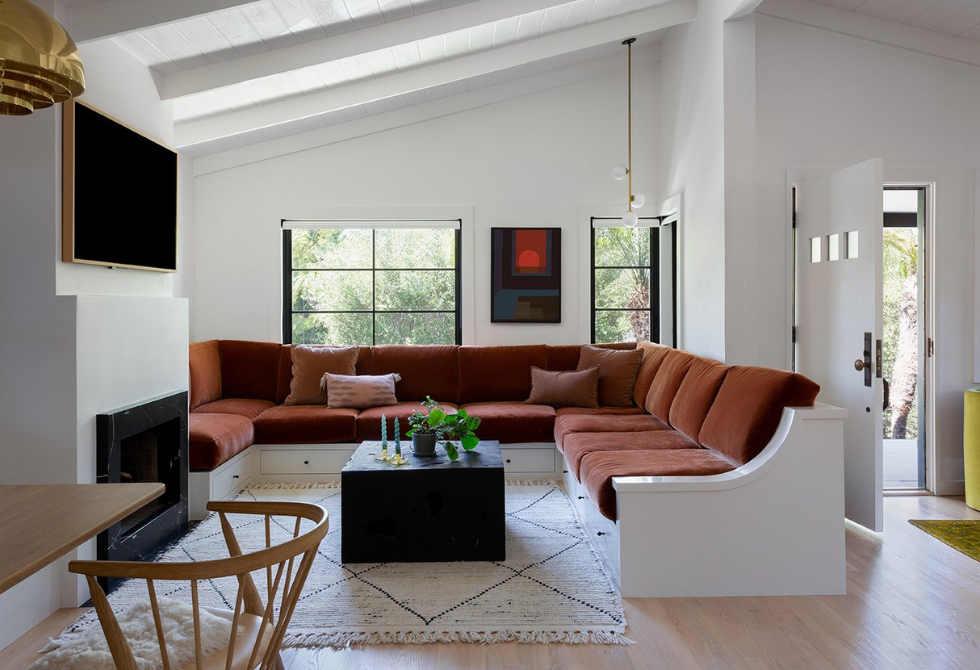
[551, 588]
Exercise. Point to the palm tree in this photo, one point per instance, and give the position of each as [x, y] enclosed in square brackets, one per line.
[905, 372]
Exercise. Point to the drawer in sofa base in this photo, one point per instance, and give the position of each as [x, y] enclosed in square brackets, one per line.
[602, 533]
[220, 483]
[303, 460]
[531, 460]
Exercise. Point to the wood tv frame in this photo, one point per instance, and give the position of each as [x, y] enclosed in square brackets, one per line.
[111, 251]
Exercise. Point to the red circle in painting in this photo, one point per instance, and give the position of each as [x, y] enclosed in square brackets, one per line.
[529, 259]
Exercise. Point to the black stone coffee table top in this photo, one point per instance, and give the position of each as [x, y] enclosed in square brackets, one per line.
[486, 455]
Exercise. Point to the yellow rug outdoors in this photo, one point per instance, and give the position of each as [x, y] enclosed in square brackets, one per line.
[962, 535]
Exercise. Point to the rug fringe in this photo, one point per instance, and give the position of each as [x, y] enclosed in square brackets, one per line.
[345, 639]
[291, 485]
[531, 482]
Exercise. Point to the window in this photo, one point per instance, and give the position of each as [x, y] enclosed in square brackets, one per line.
[629, 301]
[371, 283]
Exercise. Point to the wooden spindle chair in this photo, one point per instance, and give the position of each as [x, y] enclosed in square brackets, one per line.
[257, 629]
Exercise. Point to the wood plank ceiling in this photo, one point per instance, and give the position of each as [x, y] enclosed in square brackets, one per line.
[241, 72]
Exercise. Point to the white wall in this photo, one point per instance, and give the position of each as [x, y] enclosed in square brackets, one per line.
[693, 163]
[827, 100]
[64, 354]
[527, 161]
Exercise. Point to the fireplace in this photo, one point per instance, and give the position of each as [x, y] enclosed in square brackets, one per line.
[145, 442]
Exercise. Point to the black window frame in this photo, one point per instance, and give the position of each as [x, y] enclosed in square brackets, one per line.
[287, 287]
[653, 268]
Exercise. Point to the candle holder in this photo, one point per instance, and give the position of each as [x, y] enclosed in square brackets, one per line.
[383, 456]
[397, 459]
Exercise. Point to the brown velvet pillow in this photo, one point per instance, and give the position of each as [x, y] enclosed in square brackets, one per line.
[310, 364]
[617, 373]
[565, 389]
[205, 372]
[361, 391]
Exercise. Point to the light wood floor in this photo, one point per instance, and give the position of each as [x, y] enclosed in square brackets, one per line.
[912, 602]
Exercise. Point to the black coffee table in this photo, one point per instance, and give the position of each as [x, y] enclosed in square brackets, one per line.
[431, 509]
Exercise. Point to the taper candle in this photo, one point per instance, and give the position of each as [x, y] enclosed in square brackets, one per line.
[398, 439]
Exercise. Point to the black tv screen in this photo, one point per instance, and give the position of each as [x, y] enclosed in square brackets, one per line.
[120, 194]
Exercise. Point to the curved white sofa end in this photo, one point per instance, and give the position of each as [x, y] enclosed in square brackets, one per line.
[774, 526]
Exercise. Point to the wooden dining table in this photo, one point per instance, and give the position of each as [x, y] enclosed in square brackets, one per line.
[39, 523]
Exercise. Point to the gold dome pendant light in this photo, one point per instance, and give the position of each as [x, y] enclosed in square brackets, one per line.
[620, 172]
[39, 62]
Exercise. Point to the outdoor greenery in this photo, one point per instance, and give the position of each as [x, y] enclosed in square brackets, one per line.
[900, 351]
[406, 276]
[622, 282]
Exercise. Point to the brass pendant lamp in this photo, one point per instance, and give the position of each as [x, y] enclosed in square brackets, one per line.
[620, 172]
[39, 62]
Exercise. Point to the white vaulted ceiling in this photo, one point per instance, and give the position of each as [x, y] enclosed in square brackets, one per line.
[957, 18]
[241, 72]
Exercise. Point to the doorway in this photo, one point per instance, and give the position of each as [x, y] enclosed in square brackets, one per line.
[905, 344]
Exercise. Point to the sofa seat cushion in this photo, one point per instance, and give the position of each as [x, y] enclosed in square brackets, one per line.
[599, 411]
[305, 424]
[369, 420]
[577, 445]
[214, 438]
[604, 423]
[511, 422]
[247, 407]
[598, 468]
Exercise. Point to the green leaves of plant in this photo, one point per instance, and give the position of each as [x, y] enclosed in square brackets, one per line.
[451, 450]
[436, 417]
[469, 443]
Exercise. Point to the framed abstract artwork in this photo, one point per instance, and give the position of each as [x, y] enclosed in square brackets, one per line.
[525, 283]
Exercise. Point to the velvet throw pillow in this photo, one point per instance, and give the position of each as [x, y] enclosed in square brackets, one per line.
[361, 391]
[309, 366]
[565, 389]
[617, 373]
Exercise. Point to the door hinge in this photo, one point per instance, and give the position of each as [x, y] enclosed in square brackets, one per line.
[930, 347]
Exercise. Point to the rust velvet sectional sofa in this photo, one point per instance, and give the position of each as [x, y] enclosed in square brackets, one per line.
[685, 486]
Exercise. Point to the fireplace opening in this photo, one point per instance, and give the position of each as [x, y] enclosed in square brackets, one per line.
[151, 456]
[144, 442]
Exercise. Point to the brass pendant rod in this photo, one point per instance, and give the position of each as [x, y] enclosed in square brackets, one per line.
[629, 105]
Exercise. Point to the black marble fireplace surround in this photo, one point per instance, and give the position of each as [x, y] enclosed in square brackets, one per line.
[144, 442]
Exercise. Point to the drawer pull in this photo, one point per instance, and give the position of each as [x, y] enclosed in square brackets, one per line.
[600, 533]
[306, 462]
[508, 460]
[235, 476]
[581, 497]
[564, 472]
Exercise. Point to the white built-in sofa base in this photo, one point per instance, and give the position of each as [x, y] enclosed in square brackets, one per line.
[774, 526]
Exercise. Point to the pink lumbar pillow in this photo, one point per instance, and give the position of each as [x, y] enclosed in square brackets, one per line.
[360, 391]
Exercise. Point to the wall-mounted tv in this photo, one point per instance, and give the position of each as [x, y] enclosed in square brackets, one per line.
[120, 194]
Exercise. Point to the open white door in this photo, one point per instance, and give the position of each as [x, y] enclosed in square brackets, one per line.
[838, 318]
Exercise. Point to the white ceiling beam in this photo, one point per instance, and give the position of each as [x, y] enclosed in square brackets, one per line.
[294, 57]
[224, 160]
[443, 72]
[108, 19]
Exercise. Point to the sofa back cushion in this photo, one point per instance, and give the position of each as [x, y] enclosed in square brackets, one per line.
[653, 357]
[747, 409]
[426, 370]
[563, 356]
[249, 369]
[617, 373]
[665, 384]
[696, 394]
[205, 372]
[498, 373]
[363, 367]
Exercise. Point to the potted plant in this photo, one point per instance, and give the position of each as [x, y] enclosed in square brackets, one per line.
[437, 426]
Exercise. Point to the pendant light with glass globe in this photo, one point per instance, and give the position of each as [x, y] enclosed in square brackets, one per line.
[620, 171]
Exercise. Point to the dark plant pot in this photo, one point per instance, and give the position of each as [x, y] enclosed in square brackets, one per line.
[424, 445]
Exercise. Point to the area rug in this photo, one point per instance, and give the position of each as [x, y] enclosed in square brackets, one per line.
[962, 535]
[551, 588]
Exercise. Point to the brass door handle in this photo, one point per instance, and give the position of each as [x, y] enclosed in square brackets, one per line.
[859, 365]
